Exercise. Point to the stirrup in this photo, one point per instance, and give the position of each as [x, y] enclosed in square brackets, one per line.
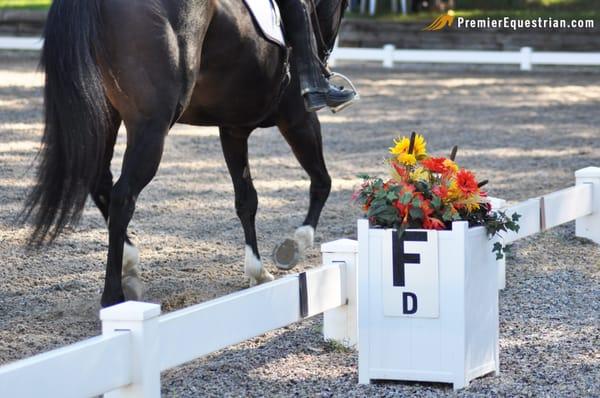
[345, 105]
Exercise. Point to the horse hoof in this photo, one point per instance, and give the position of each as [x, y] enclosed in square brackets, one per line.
[287, 254]
[133, 288]
[264, 277]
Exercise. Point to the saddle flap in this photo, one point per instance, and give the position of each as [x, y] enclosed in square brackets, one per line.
[266, 15]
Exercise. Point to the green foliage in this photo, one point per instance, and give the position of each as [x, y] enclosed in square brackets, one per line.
[34, 4]
[336, 346]
[498, 221]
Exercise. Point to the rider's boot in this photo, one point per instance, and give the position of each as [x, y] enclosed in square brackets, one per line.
[315, 87]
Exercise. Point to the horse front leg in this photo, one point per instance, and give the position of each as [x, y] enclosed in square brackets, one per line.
[302, 131]
[235, 150]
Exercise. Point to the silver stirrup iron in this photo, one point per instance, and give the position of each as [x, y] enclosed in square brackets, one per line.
[345, 105]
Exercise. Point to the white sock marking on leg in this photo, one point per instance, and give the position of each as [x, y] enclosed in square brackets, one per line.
[132, 284]
[305, 236]
[254, 269]
[131, 260]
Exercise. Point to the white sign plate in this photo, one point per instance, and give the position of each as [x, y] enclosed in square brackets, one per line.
[410, 274]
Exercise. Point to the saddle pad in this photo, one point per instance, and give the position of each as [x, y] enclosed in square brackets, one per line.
[267, 17]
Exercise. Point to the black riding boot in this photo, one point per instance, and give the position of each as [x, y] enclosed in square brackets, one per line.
[315, 87]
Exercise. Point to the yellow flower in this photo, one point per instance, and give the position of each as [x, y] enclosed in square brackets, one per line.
[420, 149]
[420, 174]
[451, 165]
[407, 159]
[401, 146]
[454, 192]
[472, 203]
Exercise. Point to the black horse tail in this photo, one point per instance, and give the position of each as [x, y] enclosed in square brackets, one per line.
[77, 117]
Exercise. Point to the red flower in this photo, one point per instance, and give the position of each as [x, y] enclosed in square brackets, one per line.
[427, 209]
[441, 191]
[433, 223]
[466, 182]
[401, 170]
[435, 165]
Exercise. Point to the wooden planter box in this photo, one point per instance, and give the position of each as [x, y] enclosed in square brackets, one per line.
[427, 305]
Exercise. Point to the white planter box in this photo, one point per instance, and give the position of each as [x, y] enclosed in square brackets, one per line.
[434, 318]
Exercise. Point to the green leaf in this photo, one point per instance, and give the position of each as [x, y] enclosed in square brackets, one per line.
[416, 212]
[406, 198]
[436, 202]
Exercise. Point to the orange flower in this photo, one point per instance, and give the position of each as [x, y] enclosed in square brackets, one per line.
[466, 182]
[433, 223]
[435, 165]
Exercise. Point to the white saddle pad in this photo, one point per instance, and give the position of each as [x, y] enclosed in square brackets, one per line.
[267, 17]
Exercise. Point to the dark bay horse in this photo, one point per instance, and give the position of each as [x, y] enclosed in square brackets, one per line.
[149, 64]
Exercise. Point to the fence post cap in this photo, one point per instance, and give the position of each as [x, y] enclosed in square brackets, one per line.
[130, 311]
[340, 246]
[588, 172]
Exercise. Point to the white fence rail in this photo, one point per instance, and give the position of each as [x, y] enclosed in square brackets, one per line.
[388, 55]
[525, 58]
[551, 210]
[211, 326]
[21, 43]
[137, 344]
[84, 369]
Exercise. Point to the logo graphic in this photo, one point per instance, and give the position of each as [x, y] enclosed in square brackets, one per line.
[441, 22]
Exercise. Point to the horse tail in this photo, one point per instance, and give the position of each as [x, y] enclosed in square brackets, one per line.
[77, 117]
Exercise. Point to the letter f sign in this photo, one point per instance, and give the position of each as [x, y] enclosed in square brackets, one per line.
[400, 258]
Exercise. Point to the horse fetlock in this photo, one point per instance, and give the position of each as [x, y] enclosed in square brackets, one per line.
[254, 269]
[133, 288]
[305, 237]
[131, 260]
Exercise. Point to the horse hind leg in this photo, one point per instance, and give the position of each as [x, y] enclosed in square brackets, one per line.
[235, 150]
[101, 194]
[303, 134]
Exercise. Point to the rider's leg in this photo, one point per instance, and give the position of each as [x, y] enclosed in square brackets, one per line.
[314, 86]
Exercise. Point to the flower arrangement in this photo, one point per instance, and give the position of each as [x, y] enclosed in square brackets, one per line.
[426, 192]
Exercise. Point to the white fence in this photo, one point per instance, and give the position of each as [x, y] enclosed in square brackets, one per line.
[525, 58]
[21, 43]
[388, 55]
[137, 344]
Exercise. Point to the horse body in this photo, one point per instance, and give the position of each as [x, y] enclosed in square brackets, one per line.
[246, 64]
[150, 64]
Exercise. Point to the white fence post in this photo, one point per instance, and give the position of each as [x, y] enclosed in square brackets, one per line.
[142, 320]
[340, 324]
[526, 58]
[388, 55]
[589, 226]
[372, 7]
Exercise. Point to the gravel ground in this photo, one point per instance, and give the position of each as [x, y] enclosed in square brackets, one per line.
[525, 132]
